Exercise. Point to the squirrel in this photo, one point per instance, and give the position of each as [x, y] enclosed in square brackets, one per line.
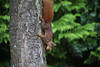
[46, 24]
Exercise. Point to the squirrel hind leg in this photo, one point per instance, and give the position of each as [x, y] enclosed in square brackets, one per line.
[44, 25]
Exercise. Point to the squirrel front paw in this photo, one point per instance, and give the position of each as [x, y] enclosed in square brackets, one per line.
[50, 45]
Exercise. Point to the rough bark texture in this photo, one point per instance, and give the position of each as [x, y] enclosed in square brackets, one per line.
[27, 50]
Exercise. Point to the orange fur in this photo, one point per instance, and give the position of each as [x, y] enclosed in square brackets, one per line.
[46, 24]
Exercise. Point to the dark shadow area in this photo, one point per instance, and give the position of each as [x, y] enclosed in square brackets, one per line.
[4, 55]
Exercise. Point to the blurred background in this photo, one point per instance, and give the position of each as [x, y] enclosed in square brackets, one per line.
[76, 28]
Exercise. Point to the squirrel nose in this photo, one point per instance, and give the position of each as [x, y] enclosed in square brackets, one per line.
[48, 48]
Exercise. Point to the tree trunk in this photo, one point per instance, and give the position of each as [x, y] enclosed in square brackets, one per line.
[27, 50]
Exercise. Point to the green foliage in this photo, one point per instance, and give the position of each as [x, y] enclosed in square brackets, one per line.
[76, 31]
[76, 28]
[4, 19]
[4, 33]
[4, 36]
[5, 64]
[94, 56]
[72, 30]
[66, 24]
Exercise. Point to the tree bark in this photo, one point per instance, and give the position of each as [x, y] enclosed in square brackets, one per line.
[27, 50]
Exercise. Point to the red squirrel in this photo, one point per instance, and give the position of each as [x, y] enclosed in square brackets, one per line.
[46, 24]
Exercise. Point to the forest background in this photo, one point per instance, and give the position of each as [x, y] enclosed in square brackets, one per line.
[76, 28]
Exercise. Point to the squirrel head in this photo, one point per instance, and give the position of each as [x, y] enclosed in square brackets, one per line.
[50, 45]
